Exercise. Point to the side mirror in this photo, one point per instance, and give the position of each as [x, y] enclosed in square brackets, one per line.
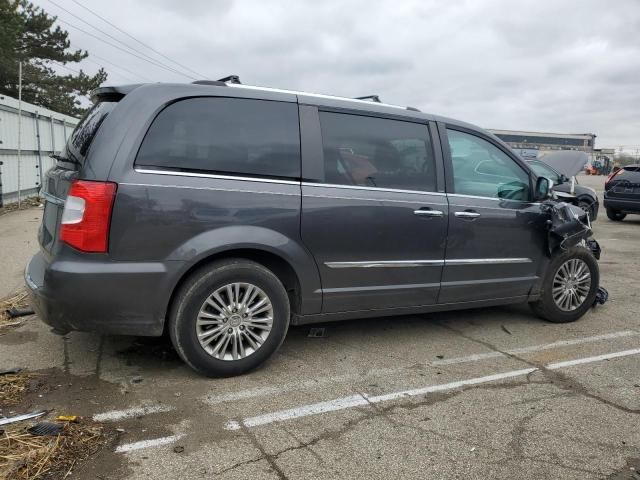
[563, 178]
[543, 188]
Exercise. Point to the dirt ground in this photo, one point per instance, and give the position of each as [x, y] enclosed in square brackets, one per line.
[487, 393]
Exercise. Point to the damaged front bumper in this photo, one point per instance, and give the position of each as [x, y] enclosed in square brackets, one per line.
[569, 226]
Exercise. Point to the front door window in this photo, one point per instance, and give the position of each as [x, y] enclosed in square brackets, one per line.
[481, 169]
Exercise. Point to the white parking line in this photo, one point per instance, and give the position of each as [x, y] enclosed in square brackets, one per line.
[156, 442]
[362, 400]
[116, 415]
[304, 411]
[279, 389]
[597, 358]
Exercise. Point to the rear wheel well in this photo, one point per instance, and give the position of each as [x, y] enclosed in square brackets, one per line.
[278, 265]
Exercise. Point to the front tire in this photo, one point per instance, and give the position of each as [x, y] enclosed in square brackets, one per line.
[569, 287]
[229, 317]
[615, 215]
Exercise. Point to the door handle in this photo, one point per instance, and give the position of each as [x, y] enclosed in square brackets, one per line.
[467, 214]
[424, 212]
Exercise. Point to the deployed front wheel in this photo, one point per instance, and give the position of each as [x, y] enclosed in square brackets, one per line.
[569, 287]
[229, 317]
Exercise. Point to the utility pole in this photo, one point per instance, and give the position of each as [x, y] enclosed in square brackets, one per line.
[19, 130]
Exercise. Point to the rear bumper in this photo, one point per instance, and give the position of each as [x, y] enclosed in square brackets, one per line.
[106, 297]
[626, 205]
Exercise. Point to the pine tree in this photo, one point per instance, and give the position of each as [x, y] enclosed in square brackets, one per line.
[27, 35]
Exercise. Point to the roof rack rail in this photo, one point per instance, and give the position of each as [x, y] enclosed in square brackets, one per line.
[230, 79]
[210, 82]
[413, 109]
[373, 98]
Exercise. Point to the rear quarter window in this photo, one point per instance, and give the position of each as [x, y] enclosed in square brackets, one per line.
[225, 135]
[82, 136]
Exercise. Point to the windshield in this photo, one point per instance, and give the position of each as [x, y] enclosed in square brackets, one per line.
[82, 136]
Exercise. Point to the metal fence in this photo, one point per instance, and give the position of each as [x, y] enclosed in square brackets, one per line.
[43, 132]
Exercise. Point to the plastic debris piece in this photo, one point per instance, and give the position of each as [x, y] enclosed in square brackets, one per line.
[601, 296]
[178, 449]
[46, 429]
[19, 418]
[504, 329]
[20, 312]
[317, 332]
[67, 418]
[8, 371]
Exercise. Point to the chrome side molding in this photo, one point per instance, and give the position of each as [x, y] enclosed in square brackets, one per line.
[386, 264]
[427, 263]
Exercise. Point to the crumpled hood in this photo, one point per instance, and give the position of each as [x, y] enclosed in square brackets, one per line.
[567, 162]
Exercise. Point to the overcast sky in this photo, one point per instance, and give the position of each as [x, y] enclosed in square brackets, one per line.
[541, 65]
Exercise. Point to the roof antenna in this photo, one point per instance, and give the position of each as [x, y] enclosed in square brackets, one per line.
[373, 98]
[231, 79]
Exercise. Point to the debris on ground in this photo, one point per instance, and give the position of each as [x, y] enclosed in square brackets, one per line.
[46, 429]
[21, 418]
[504, 329]
[602, 295]
[67, 418]
[16, 303]
[5, 371]
[13, 386]
[24, 455]
[20, 312]
[26, 203]
[317, 332]
[178, 449]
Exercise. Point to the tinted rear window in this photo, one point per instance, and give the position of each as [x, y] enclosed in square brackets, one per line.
[82, 136]
[225, 135]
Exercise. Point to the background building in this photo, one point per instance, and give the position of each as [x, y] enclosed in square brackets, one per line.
[535, 144]
[43, 132]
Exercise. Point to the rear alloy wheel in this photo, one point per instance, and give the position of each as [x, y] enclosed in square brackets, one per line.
[229, 317]
[615, 215]
[234, 321]
[569, 287]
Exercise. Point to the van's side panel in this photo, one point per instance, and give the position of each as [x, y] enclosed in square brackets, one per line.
[183, 220]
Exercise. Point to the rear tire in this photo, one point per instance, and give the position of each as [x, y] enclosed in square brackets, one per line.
[229, 317]
[552, 305]
[615, 215]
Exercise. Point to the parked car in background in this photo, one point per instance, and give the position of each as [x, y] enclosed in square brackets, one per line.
[221, 213]
[584, 197]
[622, 192]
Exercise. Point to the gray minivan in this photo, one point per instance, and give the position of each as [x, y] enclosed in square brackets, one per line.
[221, 213]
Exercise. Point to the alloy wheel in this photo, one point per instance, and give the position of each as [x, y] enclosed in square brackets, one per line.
[234, 321]
[571, 284]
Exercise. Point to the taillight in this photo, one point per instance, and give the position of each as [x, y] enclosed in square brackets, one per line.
[87, 215]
